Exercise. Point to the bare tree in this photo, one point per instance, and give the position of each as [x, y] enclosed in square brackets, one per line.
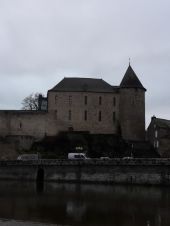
[31, 102]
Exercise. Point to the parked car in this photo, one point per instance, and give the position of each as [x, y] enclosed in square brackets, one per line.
[77, 156]
[28, 157]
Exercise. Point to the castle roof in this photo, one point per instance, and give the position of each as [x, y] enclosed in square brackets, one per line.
[130, 80]
[83, 85]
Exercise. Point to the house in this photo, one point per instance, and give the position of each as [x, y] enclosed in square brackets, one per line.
[158, 133]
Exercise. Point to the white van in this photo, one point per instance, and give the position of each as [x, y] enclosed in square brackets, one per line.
[77, 156]
[28, 157]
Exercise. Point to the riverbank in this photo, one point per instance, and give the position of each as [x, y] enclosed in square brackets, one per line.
[113, 171]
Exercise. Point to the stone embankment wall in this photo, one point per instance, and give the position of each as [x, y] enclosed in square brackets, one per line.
[138, 171]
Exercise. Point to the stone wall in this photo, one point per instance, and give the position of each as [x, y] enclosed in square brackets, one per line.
[69, 109]
[138, 171]
[132, 113]
[25, 123]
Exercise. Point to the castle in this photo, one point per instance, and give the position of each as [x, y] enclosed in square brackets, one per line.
[82, 104]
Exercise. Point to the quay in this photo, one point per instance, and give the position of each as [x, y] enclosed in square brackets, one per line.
[113, 171]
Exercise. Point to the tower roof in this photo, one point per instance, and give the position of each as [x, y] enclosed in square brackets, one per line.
[130, 80]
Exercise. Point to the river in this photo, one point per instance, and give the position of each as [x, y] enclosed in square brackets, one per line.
[28, 203]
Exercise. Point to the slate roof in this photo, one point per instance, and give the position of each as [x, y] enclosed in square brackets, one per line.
[84, 85]
[162, 123]
[130, 80]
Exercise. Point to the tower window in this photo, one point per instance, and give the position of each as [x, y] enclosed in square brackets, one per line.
[85, 100]
[100, 116]
[114, 116]
[85, 115]
[69, 115]
[100, 100]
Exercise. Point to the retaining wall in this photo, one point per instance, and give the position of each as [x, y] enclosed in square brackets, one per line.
[138, 171]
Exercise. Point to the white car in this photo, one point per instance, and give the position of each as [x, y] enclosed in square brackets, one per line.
[77, 156]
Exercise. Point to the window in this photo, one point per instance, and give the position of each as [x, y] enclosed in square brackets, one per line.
[156, 144]
[156, 133]
[69, 114]
[56, 114]
[20, 125]
[114, 116]
[70, 100]
[56, 99]
[100, 116]
[114, 101]
[85, 100]
[85, 115]
[100, 100]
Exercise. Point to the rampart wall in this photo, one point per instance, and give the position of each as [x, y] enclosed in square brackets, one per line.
[25, 123]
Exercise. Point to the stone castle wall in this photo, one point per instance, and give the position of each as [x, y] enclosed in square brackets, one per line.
[69, 109]
[23, 123]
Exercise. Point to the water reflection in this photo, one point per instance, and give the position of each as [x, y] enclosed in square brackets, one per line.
[73, 204]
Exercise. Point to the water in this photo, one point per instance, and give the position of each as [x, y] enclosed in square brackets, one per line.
[80, 205]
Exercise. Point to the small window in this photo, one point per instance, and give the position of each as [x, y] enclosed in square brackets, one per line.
[85, 100]
[56, 114]
[70, 100]
[69, 114]
[100, 100]
[85, 115]
[114, 101]
[156, 133]
[114, 116]
[56, 99]
[20, 125]
[100, 116]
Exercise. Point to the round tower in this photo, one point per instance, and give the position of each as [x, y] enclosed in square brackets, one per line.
[132, 107]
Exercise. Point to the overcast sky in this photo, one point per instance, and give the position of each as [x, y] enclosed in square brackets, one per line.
[42, 41]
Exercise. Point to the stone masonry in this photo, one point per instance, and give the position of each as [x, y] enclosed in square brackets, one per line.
[83, 104]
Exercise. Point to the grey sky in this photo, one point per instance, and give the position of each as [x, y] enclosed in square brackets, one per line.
[41, 41]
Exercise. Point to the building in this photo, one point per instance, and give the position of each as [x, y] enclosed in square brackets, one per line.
[158, 133]
[82, 104]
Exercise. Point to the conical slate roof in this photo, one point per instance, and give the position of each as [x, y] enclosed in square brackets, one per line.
[130, 80]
